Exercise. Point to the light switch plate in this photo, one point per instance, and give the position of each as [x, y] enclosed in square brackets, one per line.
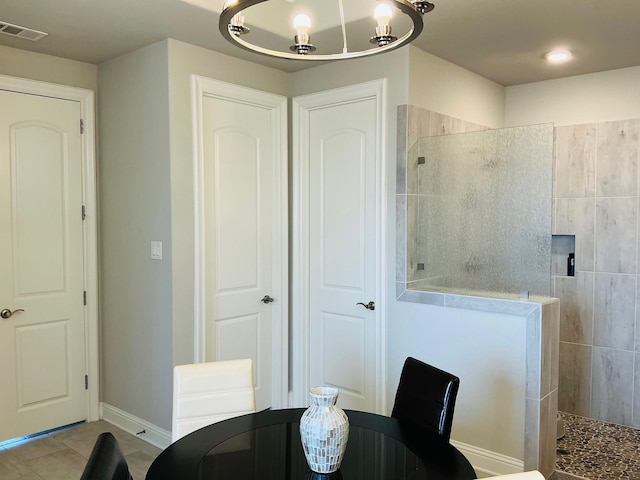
[156, 250]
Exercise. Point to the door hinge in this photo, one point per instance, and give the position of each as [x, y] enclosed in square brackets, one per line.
[84, 297]
[81, 126]
[86, 382]
[84, 212]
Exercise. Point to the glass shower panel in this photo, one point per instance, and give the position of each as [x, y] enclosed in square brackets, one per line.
[484, 210]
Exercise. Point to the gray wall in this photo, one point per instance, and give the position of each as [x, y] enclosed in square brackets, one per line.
[440, 86]
[46, 68]
[146, 189]
[597, 97]
[135, 208]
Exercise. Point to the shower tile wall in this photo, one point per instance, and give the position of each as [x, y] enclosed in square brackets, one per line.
[596, 195]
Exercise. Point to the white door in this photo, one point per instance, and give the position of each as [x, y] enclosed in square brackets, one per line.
[342, 152]
[42, 344]
[244, 228]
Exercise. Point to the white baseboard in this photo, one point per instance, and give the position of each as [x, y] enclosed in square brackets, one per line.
[488, 462]
[136, 426]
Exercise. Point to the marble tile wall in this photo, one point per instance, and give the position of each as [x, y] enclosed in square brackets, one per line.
[596, 198]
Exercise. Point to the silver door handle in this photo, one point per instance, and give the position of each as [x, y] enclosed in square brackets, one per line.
[369, 306]
[6, 313]
[267, 299]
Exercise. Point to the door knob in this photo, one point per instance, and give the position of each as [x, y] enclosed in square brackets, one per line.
[6, 313]
[267, 299]
[369, 306]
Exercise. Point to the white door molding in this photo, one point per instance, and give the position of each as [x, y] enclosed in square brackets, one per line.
[204, 87]
[86, 100]
[301, 108]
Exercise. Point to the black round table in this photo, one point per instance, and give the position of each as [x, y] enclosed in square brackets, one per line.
[266, 445]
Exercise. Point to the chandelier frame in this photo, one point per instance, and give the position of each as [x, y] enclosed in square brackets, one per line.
[231, 33]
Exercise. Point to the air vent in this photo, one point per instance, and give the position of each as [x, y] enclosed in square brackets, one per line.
[21, 32]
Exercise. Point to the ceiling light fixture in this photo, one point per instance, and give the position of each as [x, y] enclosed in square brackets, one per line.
[232, 27]
[558, 56]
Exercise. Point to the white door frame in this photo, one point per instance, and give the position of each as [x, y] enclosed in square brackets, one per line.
[201, 87]
[301, 108]
[86, 100]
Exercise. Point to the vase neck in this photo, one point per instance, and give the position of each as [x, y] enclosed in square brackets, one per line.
[323, 400]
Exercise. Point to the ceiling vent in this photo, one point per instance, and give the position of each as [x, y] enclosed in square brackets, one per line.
[21, 32]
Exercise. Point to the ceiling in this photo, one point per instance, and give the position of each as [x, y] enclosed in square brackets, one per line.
[502, 40]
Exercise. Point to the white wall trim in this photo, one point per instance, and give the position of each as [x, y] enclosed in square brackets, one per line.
[489, 462]
[277, 104]
[142, 429]
[301, 108]
[89, 191]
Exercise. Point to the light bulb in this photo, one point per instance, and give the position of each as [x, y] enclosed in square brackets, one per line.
[382, 14]
[302, 23]
[237, 21]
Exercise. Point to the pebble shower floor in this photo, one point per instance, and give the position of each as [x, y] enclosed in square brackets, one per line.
[597, 450]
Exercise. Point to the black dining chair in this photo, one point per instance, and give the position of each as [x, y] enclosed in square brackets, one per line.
[106, 461]
[426, 397]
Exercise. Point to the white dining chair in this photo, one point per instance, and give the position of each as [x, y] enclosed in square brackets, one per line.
[206, 393]
[532, 475]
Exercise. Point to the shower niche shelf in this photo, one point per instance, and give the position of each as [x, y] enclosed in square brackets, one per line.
[562, 246]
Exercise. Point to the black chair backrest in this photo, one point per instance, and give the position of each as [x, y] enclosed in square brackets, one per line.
[426, 397]
[106, 461]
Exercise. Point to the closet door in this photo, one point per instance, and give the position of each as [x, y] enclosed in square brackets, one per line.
[42, 263]
[339, 257]
[243, 222]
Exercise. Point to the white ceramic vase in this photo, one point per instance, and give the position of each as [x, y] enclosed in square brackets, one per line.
[324, 431]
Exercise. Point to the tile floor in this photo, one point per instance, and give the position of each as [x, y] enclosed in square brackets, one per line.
[62, 455]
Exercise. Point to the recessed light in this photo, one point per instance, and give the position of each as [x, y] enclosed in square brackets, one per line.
[558, 56]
